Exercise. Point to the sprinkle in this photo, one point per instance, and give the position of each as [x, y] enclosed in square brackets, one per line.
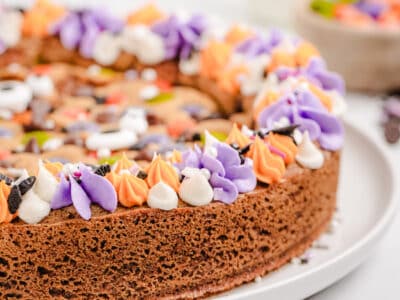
[14, 199]
[102, 170]
[160, 98]
[26, 184]
[149, 74]
[149, 92]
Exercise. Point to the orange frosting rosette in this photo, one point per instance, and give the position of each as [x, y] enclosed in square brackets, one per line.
[146, 15]
[237, 137]
[269, 168]
[304, 53]
[284, 144]
[281, 59]
[5, 215]
[123, 164]
[38, 19]
[160, 170]
[130, 189]
[269, 98]
[228, 79]
[215, 58]
[238, 34]
[53, 167]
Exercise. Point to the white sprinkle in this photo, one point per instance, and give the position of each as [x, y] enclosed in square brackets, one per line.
[257, 279]
[149, 74]
[149, 92]
[52, 144]
[103, 152]
[94, 70]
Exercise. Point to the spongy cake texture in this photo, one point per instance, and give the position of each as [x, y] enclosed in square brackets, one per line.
[184, 253]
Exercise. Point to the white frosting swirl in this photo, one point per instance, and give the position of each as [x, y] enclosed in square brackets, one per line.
[14, 96]
[308, 155]
[41, 85]
[121, 139]
[162, 196]
[143, 43]
[106, 48]
[32, 208]
[195, 188]
[10, 27]
[190, 66]
[134, 120]
[46, 184]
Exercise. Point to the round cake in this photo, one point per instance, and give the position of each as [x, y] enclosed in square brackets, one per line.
[157, 155]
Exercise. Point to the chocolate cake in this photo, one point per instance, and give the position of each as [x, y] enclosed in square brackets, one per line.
[158, 156]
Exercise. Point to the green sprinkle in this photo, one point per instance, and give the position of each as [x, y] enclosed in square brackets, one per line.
[220, 136]
[160, 98]
[109, 160]
[40, 136]
[324, 7]
[107, 72]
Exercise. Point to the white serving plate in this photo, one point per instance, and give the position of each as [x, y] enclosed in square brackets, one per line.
[367, 203]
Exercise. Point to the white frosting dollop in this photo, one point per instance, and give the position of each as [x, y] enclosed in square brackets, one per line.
[308, 155]
[252, 82]
[15, 96]
[121, 139]
[46, 184]
[41, 85]
[10, 27]
[147, 46]
[148, 74]
[190, 66]
[134, 120]
[32, 208]
[195, 188]
[162, 196]
[282, 122]
[106, 49]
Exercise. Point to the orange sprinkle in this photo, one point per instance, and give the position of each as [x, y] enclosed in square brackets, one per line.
[41, 69]
[115, 98]
[146, 15]
[238, 34]
[75, 113]
[269, 168]
[284, 144]
[38, 19]
[214, 59]
[163, 85]
[177, 127]
[160, 170]
[304, 52]
[279, 59]
[23, 118]
[237, 137]
[4, 154]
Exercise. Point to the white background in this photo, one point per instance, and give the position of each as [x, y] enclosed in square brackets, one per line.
[379, 276]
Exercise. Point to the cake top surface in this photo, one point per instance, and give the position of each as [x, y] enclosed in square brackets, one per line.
[153, 110]
[360, 13]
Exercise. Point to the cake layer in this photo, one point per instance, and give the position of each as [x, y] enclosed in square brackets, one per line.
[188, 252]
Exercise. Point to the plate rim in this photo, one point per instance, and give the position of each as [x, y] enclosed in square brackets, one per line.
[374, 234]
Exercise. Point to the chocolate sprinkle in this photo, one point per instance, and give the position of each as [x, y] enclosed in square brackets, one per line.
[102, 170]
[142, 175]
[100, 99]
[14, 199]
[392, 131]
[6, 179]
[26, 184]
[235, 146]
[288, 130]
[245, 149]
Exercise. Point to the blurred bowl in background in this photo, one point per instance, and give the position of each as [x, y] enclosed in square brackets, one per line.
[367, 57]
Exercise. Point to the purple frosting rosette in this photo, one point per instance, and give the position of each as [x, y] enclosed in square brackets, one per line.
[80, 29]
[229, 175]
[304, 109]
[83, 188]
[258, 45]
[317, 73]
[180, 37]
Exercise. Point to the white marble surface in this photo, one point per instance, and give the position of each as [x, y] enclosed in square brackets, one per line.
[377, 278]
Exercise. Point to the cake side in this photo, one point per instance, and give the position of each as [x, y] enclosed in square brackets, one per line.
[184, 253]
